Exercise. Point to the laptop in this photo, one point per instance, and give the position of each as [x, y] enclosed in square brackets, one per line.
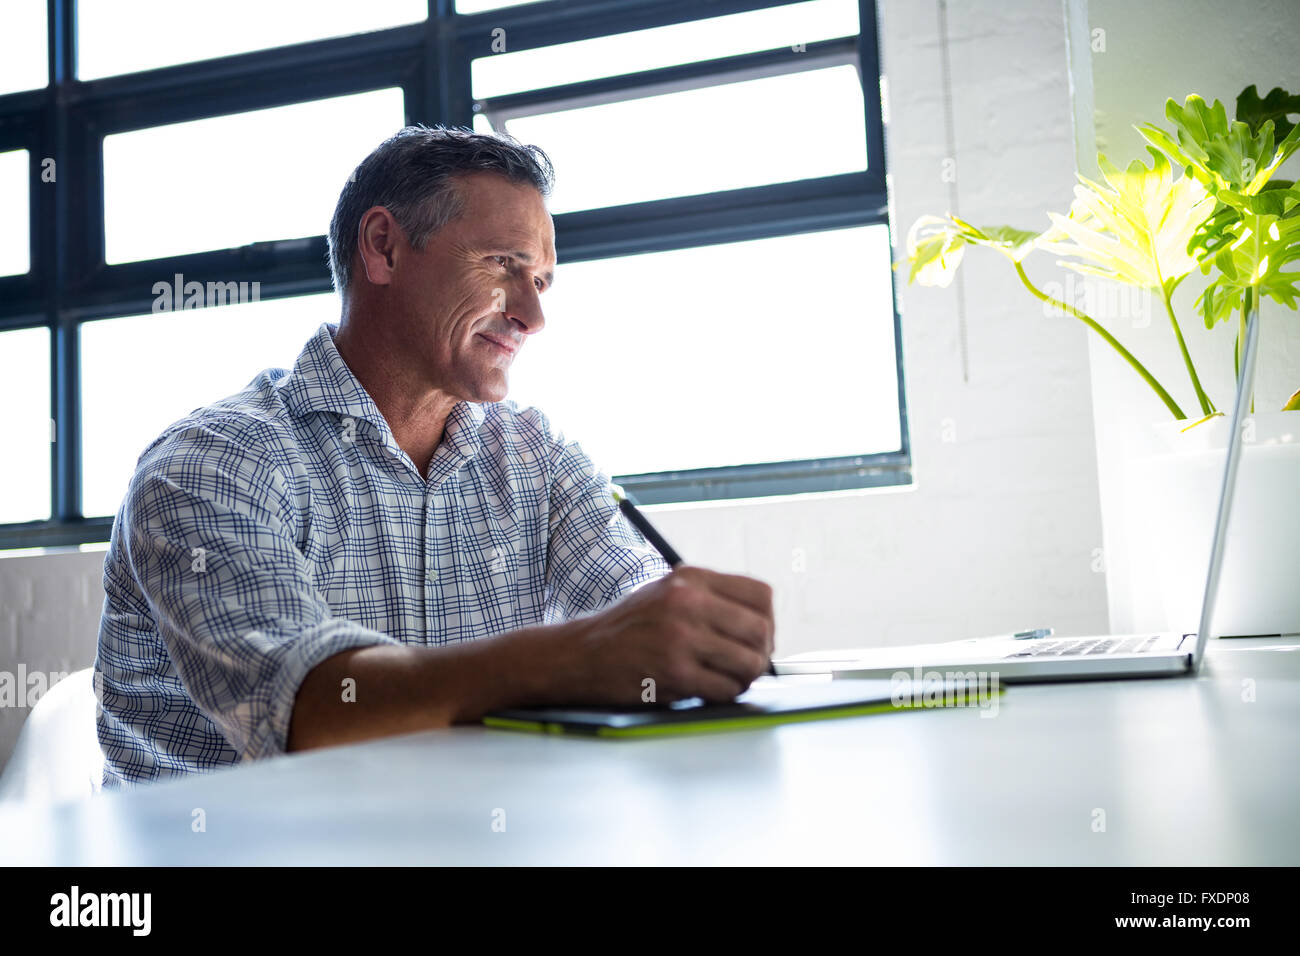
[1031, 656]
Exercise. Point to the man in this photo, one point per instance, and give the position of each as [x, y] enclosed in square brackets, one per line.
[377, 542]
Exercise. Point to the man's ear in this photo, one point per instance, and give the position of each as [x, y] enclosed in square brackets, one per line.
[378, 236]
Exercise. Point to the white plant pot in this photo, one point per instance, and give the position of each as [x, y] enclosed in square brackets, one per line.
[1160, 493]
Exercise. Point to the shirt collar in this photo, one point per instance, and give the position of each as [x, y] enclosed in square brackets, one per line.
[322, 382]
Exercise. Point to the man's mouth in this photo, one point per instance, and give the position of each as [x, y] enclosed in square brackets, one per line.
[508, 347]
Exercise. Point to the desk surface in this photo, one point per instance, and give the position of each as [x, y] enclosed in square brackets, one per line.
[1185, 770]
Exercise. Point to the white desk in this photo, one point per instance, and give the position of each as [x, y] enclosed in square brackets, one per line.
[1185, 770]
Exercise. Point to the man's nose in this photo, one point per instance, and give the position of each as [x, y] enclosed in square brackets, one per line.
[525, 311]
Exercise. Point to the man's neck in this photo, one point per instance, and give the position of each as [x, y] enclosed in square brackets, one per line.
[416, 414]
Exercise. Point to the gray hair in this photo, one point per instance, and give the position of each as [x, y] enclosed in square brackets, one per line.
[410, 174]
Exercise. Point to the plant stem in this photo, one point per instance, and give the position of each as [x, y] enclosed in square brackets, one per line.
[1206, 405]
[1114, 343]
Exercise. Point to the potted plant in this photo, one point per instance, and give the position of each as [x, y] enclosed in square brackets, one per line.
[1209, 202]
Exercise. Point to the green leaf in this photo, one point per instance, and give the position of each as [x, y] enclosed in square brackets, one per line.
[1218, 303]
[1238, 157]
[1013, 243]
[1264, 175]
[1195, 120]
[1270, 202]
[934, 252]
[1136, 228]
[1241, 155]
[1212, 235]
[1276, 107]
[1226, 263]
[1259, 250]
[1196, 124]
[1192, 162]
[936, 246]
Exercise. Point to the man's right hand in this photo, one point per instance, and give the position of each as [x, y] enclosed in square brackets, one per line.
[693, 633]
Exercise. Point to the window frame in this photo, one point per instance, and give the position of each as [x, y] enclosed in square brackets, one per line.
[69, 282]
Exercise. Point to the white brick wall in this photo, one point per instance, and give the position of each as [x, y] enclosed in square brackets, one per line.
[999, 530]
[49, 618]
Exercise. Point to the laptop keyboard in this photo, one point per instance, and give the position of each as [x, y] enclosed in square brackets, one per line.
[1085, 646]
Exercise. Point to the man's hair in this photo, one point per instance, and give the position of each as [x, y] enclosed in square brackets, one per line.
[411, 175]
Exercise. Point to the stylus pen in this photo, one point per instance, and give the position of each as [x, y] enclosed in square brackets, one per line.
[655, 538]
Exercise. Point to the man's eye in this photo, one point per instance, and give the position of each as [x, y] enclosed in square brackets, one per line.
[500, 259]
[539, 284]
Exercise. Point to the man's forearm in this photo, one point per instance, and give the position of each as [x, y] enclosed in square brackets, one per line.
[408, 688]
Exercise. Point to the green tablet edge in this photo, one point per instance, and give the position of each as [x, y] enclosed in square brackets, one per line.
[712, 726]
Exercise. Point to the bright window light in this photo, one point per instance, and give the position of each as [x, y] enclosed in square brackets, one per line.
[24, 62]
[699, 141]
[770, 350]
[690, 42]
[15, 221]
[232, 180]
[194, 357]
[123, 36]
[25, 385]
[482, 6]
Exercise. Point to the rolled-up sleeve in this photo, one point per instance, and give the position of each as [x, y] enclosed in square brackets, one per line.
[209, 536]
[595, 556]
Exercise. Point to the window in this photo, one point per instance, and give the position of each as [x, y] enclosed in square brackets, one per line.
[140, 374]
[702, 140]
[680, 43]
[123, 36]
[481, 6]
[25, 387]
[662, 336]
[15, 217]
[23, 63]
[233, 180]
[726, 229]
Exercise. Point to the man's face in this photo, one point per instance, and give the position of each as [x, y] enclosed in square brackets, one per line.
[472, 296]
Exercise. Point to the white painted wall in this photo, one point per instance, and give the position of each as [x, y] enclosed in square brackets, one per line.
[1000, 528]
[1153, 51]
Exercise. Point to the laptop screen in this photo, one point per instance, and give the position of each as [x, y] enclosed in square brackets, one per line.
[1240, 409]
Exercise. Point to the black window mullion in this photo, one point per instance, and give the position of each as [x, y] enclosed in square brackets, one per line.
[56, 227]
[772, 478]
[446, 70]
[869, 59]
[66, 391]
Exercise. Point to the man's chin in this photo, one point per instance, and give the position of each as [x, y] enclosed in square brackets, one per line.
[490, 392]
